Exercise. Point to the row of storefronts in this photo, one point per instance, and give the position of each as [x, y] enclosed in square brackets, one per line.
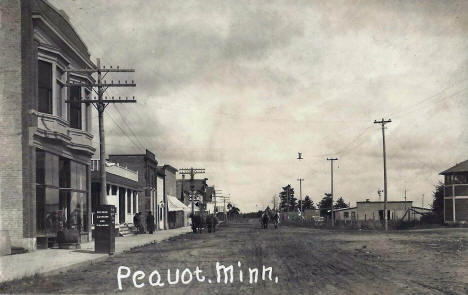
[49, 182]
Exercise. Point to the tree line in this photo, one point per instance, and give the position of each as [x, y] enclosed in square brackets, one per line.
[288, 202]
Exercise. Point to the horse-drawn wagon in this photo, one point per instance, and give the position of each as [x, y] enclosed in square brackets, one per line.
[201, 221]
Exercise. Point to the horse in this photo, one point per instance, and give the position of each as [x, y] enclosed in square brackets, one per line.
[211, 222]
[198, 223]
[265, 218]
[276, 219]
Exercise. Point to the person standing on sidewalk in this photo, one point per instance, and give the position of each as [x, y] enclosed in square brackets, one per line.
[141, 228]
[150, 222]
[135, 222]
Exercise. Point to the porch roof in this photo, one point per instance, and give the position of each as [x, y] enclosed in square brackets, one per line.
[175, 205]
[116, 180]
[459, 168]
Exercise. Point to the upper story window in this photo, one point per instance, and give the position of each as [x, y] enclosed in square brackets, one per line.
[75, 107]
[44, 87]
[456, 179]
[60, 89]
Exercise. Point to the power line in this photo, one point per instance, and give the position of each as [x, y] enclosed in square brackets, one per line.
[128, 126]
[100, 103]
[123, 131]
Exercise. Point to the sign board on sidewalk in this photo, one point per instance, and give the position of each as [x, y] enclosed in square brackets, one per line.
[104, 229]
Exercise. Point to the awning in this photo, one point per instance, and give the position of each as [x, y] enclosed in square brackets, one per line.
[176, 205]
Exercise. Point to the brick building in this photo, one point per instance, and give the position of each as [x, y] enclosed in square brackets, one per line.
[46, 142]
[456, 193]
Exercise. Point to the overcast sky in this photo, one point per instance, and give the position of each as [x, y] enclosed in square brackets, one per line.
[239, 87]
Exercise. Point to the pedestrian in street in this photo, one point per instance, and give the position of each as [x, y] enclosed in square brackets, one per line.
[150, 222]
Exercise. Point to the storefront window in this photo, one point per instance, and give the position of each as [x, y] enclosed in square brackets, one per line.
[53, 218]
[61, 194]
[47, 192]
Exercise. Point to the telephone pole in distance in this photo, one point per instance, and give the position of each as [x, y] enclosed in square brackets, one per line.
[331, 193]
[191, 171]
[383, 122]
[300, 191]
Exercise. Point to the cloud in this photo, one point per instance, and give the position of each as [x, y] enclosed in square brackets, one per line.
[239, 87]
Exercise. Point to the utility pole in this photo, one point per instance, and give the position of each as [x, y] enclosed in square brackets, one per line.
[331, 193]
[224, 205]
[192, 171]
[216, 197]
[100, 104]
[214, 191]
[299, 157]
[300, 191]
[383, 122]
[225, 215]
[182, 196]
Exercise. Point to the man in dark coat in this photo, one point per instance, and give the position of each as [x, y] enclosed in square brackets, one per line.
[141, 228]
[150, 222]
[136, 221]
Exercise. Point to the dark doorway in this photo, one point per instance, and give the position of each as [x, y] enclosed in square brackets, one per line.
[122, 205]
[381, 216]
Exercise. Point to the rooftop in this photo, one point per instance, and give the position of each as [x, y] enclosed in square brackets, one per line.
[459, 168]
[384, 202]
[342, 209]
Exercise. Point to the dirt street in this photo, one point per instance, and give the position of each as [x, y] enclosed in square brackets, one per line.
[305, 261]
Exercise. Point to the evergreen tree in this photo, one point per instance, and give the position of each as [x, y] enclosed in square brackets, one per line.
[308, 203]
[284, 199]
[325, 206]
[438, 202]
[340, 203]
